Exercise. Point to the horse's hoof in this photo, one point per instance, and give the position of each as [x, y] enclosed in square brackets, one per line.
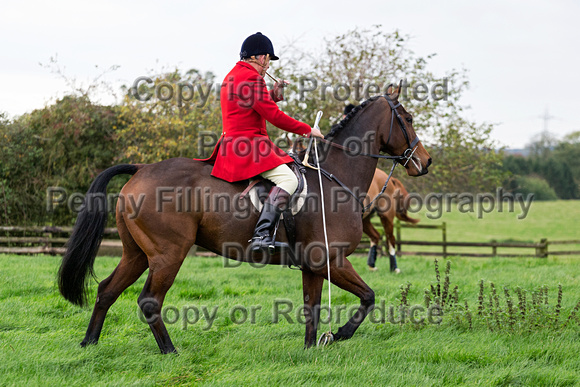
[325, 339]
[84, 343]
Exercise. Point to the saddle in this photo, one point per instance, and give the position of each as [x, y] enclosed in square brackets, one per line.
[259, 188]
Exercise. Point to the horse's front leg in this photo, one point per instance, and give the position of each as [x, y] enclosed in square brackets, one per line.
[312, 290]
[343, 275]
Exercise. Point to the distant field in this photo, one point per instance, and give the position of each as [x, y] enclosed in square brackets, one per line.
[40, 331]
[555, 220]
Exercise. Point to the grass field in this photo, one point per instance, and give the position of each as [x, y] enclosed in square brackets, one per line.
[555, 220]
[40, 332]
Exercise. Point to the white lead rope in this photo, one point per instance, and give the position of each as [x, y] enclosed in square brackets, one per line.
[327, 337]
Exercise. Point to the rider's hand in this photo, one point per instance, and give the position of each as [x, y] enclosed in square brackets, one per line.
[278, 89]
[316, 133]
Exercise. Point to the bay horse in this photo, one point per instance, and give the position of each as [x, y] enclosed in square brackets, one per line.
[392, 202]
[158, 234]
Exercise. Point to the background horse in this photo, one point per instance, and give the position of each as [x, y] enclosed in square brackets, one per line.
[391, 203]
[173, 204]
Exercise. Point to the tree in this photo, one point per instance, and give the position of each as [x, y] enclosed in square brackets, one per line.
[542, 144]
[63, 145]
[555, 162]
[363, 62]
[568, 151]
[168, 116]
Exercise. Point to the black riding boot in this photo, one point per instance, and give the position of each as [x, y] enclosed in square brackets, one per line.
[274, 205]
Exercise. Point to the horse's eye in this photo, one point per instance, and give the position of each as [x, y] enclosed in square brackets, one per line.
[410, 120]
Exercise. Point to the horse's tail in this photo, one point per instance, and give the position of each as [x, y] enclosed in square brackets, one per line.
[402, 205]
[86, 237]
[406, 218]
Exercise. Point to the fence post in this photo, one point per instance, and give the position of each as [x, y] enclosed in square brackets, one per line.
[542, 250]
[47, 245]
[494, 247]
[444, 232]
[398, 230]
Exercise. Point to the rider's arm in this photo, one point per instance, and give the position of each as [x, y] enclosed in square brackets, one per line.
[267, 108]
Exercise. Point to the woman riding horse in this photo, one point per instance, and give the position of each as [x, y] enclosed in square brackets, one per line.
[244, 149]
[172, 216]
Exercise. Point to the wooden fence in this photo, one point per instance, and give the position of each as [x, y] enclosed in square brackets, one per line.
[51, 240]
[46, 240]
[533, 249]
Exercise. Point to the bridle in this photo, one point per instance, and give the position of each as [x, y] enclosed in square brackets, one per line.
[412, 146]
[402, 159]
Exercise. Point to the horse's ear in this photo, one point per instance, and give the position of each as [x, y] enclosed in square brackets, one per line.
[400, 88]
[395, 95]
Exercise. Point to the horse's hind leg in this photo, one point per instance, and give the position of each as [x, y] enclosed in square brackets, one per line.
[133, 263]
[343, 275]
[375, 238]
[391, 241]
[163, 269]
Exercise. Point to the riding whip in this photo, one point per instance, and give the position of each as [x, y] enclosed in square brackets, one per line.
[305, 161]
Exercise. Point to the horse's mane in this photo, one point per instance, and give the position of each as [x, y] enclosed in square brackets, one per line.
[336, 128]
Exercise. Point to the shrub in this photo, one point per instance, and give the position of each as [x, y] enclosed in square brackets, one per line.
[535, 185]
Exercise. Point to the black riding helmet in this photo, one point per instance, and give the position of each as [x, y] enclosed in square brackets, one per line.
[257, 44]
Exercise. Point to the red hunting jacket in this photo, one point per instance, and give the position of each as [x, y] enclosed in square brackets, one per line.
[244, 149]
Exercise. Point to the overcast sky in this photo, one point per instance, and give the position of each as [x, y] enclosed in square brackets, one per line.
[522, 56]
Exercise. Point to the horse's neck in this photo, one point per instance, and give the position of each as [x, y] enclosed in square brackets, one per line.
[355, 171]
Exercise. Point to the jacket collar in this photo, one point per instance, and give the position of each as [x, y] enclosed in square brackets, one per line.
[247, 65]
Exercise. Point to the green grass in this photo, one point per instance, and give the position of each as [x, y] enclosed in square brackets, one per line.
[40, 332]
